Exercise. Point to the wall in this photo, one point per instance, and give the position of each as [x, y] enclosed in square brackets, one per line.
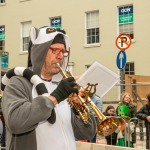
[73, 20]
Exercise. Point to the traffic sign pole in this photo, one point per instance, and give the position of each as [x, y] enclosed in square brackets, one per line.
[123, 42]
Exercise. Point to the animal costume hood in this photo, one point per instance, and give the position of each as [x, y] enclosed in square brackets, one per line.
[41, 40]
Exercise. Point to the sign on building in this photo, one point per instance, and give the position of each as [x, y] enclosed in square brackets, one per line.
[2, 33]
[4, 59]
[126, 14]
[55, 22]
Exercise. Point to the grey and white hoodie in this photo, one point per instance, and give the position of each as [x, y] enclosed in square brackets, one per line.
[26, 113]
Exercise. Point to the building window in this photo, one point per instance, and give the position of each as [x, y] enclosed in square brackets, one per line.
[126, 20]
[24, 0]
[55, 22]
[92, 27]
[129, 68]
[25, 34]
[70, 67]
[87, 66]
[2, 38]
[2, 1]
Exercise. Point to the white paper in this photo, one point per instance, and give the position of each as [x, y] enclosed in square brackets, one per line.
[97, 73]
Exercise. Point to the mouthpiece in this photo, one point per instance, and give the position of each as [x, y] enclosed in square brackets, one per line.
[61, 71]
[58, 65]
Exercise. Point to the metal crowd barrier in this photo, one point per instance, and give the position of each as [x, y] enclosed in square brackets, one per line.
[125, 132]
[127, 129]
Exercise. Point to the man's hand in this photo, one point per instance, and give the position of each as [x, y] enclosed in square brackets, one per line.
[75, 99]
[64, 89]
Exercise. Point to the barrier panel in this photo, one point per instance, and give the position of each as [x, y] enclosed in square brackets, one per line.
[92, 146]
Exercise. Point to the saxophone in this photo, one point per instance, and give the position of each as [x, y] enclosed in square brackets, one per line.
[106, 126]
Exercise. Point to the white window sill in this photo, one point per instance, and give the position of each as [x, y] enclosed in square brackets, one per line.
[2, 4]
[133, 41]
[92, 45]
[24, 0]
[23, 52]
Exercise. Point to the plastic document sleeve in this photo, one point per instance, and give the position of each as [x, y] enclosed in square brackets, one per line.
[97, 73]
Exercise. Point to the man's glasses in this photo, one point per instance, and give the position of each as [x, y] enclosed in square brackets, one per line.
[58, 50]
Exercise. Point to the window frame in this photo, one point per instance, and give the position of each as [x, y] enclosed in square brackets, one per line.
[2, 1]
[131, 70]
[126, 27]
[70, 67]
[24, 0]
[23, 38]
[96, 36]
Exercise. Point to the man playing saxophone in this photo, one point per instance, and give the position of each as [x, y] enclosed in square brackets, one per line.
[36, 112]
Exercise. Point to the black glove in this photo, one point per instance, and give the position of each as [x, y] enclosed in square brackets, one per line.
[64, 89]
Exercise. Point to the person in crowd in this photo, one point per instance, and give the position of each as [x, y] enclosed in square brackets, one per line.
[99, 103]
[3, 130]
[127, 111]
[3, 135]
[111, 139]
[34, 104]
[144, 114]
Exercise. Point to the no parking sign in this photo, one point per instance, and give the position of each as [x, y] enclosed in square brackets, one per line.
[123, 41]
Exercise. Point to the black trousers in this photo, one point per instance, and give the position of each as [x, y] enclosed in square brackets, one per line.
[111, 141]
[148, 136]
[3, 139]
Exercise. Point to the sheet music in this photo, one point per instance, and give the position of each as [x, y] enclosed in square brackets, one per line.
[97, 73]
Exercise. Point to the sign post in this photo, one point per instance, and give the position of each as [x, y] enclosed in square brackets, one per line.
[123, 42]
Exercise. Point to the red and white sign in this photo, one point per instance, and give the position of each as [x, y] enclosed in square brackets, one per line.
[123, 41]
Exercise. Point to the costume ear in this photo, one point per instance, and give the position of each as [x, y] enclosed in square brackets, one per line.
[33, 34]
